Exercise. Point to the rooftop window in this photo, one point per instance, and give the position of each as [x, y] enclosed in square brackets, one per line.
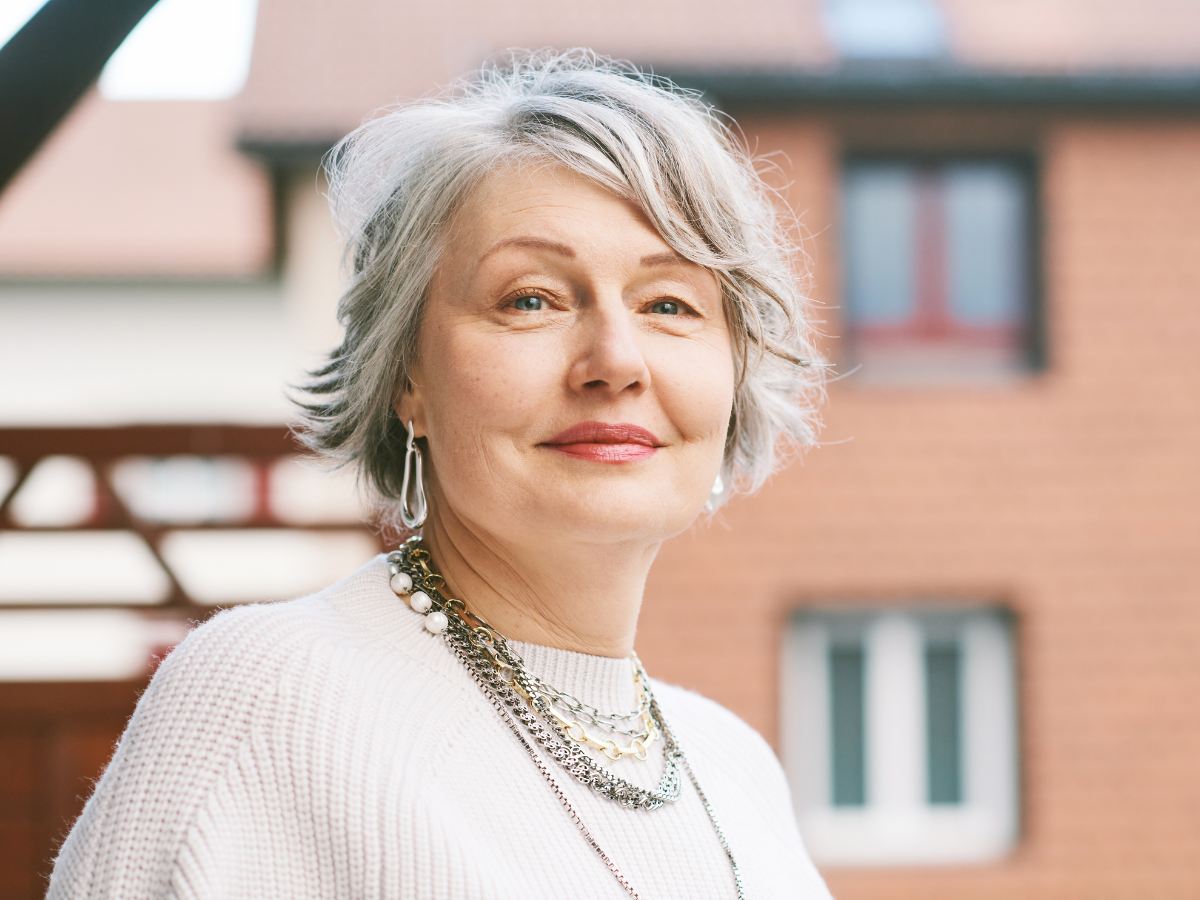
[885, 29]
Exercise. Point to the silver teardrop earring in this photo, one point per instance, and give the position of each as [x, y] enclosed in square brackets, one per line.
[714, 495]
[412, 514]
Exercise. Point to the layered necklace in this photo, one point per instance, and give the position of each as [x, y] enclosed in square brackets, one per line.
[552, 718]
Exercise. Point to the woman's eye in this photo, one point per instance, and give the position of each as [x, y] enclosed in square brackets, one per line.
[667, 308]
[529, 303]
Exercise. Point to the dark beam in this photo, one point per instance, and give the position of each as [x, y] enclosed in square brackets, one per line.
[33, 443]
[924, 85]
[48, 65]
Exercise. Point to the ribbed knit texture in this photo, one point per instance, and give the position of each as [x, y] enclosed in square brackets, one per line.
[330, 747]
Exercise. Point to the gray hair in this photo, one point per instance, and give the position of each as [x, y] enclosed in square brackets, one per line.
[395, 181]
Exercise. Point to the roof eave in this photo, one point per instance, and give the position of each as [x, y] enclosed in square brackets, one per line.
[937, 85]
[915, 86]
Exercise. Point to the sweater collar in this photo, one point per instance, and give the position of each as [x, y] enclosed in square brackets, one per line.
[604, 682]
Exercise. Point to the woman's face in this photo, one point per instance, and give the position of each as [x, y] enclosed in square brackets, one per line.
[556, 307]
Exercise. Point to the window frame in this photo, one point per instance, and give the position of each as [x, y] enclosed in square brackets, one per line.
[898, 824]
[933, 329]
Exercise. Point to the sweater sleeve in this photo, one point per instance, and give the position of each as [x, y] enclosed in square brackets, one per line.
[778, 800]
[187, 725]
[770, 786]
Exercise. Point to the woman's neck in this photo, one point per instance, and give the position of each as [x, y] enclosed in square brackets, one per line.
[582, 597]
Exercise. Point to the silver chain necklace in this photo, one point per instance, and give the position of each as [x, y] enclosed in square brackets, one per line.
[519, 696]
[581, 711]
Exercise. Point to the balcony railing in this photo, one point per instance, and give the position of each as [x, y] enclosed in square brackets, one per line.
[103, 449]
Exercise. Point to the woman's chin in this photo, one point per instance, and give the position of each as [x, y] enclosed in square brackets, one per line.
[613, 512]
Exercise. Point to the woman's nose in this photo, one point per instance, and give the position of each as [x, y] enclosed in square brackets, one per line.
[609, 357]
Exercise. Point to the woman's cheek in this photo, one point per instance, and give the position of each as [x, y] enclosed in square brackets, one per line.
[497, 397]
[699, 396]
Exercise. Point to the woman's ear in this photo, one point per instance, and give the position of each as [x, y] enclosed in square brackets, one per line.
[409, 404]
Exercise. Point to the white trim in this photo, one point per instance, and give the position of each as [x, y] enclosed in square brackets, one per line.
[895, 715]
[805, 722]
[898, 826]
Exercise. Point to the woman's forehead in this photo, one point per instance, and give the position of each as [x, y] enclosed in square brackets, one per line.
[550, 209]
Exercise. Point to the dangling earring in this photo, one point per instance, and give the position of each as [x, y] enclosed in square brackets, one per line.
[412, 514]
[714, 495]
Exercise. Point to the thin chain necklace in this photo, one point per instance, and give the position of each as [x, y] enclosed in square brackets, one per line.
[519, 696]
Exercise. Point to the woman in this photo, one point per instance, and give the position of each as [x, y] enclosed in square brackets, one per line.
[570, 323]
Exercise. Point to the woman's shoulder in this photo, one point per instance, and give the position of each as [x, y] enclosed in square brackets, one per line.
[706, 718]
[226, 672]
[740, 769]
[245, 645]
[719, 740]
[252, 640]
[287, 676]
[233, 667]
[264, 664]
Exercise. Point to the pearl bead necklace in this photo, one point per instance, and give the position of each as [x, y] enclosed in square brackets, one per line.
[436, 621]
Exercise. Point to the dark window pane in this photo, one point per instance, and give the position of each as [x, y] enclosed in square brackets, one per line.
[943, 722]
[879, 242]
[848, 725]
[985, 225]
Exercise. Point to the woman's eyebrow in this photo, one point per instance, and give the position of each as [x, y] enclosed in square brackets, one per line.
[669, 258]
[665, 259]
[534, 243]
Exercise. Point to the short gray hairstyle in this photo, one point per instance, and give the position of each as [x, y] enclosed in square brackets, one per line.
[395, 181]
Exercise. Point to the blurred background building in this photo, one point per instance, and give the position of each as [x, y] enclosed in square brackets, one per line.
[969, 623]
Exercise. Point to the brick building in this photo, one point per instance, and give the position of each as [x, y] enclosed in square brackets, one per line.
[970, 621]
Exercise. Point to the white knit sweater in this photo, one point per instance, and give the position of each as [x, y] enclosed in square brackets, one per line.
[330, 747]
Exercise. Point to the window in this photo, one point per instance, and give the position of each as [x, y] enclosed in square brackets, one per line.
[899, 734]
[885, 29]
[938, 266]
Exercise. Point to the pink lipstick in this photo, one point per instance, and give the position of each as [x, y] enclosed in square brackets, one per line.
[603, 442]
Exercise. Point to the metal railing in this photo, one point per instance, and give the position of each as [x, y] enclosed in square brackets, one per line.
[102, 448]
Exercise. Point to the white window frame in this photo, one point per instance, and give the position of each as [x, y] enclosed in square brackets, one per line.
[897, 825]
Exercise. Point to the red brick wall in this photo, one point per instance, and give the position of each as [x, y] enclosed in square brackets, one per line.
[1072, 496]
[55, 739]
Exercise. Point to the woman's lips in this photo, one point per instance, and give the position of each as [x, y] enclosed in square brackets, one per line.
[605, 452]
[605, 442]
